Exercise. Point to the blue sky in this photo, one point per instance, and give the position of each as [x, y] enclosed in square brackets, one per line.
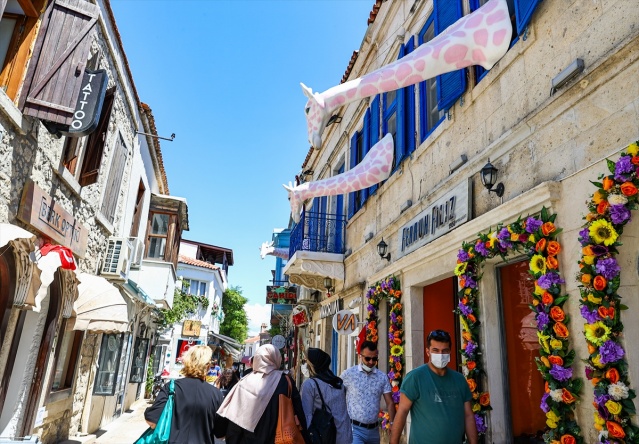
[224, 77]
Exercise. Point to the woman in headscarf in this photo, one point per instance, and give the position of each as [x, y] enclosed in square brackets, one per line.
[252, 405]
[332, 389]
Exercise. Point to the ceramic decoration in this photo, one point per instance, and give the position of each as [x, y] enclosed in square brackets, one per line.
[267, 248]
[480, 38]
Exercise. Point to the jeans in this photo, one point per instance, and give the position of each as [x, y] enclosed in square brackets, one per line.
[363, 435]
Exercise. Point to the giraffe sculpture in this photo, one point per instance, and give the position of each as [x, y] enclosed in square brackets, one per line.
[480, 38]
[374, 168]
[268, 248]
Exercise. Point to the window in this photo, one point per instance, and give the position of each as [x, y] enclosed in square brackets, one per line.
[66, 358]
[137, 212]
[108, 364]
[389, 119]
[430, 115]
[114, 182]
[158, 235]
[356, 199]
[138, 366]
[164, 227]
[196, 288]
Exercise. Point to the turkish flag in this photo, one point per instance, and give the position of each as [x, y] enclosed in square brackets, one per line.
[361, 337]
[66, 255]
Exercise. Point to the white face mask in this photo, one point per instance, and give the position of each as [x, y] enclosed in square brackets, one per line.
[366, 368]
[305, 371]
[440, 360]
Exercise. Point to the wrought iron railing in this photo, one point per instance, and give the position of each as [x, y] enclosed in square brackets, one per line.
[319, 232]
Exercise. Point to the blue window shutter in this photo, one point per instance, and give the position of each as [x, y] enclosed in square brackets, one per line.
[452, 85]
[410, 106]
[524, 10]
[400, 143]
[366, 146]
[352, 164]
[375, 127]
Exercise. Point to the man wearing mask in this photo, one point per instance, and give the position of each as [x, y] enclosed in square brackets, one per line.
[365, 386]
[437, 398]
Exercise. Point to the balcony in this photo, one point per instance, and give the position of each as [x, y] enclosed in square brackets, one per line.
[316, 250]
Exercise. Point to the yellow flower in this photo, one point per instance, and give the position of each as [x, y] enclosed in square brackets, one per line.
[464, 324]
[633, 149]
[476, 407]
[589, 259]
[514, 237]
[543, 340]
[597, 333]
[397, 350]
[538, 264]
[552, 416]
[510, 229]
[596, 361]
[602, 232]
[538, 290]
[551, 424]
[460, 269]
[594, 299]
[556, 344]
[613, 407]
[468, 291]
[531, 238]
[598, 419]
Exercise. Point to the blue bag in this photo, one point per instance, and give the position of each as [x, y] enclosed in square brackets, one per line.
[162, 431]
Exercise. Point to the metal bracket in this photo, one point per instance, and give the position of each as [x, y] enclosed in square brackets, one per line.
[156, 136]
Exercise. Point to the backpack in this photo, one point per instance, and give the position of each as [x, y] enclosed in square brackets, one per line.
[322, 429]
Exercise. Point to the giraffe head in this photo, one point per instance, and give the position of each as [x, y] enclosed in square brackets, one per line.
[316, 116]
[295, 201]
[266, 249]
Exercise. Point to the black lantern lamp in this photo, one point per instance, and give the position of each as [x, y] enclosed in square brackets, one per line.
[382, 248]
[489, 177]
[328, 284]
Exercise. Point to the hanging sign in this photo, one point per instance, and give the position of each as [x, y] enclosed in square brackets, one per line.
[89, 104]
[276, 294]
[279, 341]
[345, 322]
[300, 315]
[330, 309]
[191, 328]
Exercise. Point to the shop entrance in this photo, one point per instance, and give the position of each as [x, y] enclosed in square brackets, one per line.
[440, 299]
[521, 346]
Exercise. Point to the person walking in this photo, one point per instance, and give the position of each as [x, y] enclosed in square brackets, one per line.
[437, 398]
[226, 381]
[365, 386]
[323, 382]
[252, 405]
[195, 402]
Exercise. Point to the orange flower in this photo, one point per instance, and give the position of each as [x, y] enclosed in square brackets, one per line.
[586, 278]
[595, 381]
[472, 318]
[591, 216]
[597, 197]
[547, 228]
[464, 300]
[635, 160]
[552, 263]
[628, 189]
[462, 282]
[587, 251]
[396, 388]
[561, 330]
[484, 399]
[567, 397]
[602, 207]
[466, 335]
[557, 314]
[397, 341]
[599, 283]
[472, 384]
[546, 387]
[547, 298]
[591, 348]
[568, 439]
[608, 183]
[612, 375]
[471, 365]
[556, 360]
[606, 312]
[553, 248]
[400, 319]
[398, 366]
[541, 245]
[615, 429]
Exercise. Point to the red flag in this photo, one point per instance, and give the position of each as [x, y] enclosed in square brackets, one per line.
[66, 255]
[361, 337]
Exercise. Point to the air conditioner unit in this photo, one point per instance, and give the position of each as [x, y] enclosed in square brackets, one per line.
[306, 296]
[137, 253]
[117, 259]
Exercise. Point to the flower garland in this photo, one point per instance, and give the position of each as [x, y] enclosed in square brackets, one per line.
[601, 306]
[390, 290]
[537, 237]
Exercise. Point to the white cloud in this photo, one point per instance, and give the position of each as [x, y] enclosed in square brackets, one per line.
[257, 314]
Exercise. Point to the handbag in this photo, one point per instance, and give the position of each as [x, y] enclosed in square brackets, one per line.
[287, 430]
[162, 431]
[322, 429]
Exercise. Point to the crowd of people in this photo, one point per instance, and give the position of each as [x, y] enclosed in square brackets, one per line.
[246, 410]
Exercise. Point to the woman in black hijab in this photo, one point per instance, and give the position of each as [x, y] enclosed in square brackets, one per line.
[323, 380]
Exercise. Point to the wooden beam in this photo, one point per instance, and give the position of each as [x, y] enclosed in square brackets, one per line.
[28, 8]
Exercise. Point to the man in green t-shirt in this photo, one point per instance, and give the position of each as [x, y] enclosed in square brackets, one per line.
[438, 399]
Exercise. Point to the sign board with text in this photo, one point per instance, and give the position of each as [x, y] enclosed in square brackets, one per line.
[276, 294]
[345, 322]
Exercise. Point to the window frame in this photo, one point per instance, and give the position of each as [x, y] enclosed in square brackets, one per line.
[71, 359]
[114, 373]
[140, 343]
[150, 235]
[173, 236]
[425, 87]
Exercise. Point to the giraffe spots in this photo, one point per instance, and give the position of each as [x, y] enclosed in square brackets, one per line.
[481, 37]
[474, 21]
[496, 17]
[438, 47]
[371, 179]
[423, 51]
[389, 85]
[499, 36]
[489, 6]
[459, 34]
[368, 90]
[351, 93]
[387, 74]
[385, 169]
[375, 170]
[455, 53]
[403, 71]
[337, 101]
[478, 56]
[412, 80]
[420, 65]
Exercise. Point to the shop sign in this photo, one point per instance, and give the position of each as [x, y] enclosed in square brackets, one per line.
[276, 294]
[279, 341]
[446, 214]
[330, 309]
[345, 322]
[89, 104]
[191, 328]
[43, 213]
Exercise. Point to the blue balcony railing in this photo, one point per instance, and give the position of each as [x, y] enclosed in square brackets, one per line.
[318, 232]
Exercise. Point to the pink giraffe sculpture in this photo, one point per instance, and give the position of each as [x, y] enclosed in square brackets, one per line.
[374, 168]
[480, 38]
[268, 248]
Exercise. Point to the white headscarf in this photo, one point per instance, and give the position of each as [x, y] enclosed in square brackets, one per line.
[247, 400]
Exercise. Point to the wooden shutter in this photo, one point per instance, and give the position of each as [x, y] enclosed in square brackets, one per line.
[95, 144]
[524, 10]
[114, 183]
[137, 212]
[56, 69]
[352, 164]
[375, 127]
[452, 85]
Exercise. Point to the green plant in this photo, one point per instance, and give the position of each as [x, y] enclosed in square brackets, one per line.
[184, 305]
[148, 384]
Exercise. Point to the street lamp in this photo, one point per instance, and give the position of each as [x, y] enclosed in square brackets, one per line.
[489, 177]
[382, 247]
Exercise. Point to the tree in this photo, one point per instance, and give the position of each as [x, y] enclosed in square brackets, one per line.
[235, 323]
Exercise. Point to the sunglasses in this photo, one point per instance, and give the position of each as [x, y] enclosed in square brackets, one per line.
[369, 358]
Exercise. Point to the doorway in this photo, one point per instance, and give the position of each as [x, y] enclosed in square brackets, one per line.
[440, 300]
[519, 340]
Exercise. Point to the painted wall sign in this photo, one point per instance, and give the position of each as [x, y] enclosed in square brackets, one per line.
[89, 104]
[345, 322]
[447, 213]
[191, 328]
[43, 213]
[281, 295]
[330, 309]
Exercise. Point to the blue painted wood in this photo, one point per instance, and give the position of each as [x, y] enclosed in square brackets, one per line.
[452, 85]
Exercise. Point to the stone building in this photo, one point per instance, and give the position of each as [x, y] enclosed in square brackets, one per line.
[562, 100]
[82, 184]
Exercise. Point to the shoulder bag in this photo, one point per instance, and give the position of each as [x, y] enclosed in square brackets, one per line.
[288, 429]
[162, 431]
[322, 428]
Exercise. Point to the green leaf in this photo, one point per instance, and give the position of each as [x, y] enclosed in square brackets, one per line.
[597, 184]
[544, 214]
[611, 166]
[623, 307]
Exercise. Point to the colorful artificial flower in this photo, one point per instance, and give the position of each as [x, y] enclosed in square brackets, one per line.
[397, 350]
[597, 333]
[538, 264]
[602, 232]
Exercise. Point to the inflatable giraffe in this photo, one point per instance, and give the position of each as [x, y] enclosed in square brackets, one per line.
[268, 248]
[374, 168]
[480, 38]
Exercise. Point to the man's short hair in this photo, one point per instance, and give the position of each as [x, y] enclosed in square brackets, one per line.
[370, 345]
[439, 336]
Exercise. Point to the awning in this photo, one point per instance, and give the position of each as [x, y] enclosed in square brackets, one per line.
[100, 307]
[10, 233]
[133, 289]
[230, 345]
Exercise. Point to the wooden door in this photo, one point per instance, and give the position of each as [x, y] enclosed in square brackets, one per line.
[440, 300]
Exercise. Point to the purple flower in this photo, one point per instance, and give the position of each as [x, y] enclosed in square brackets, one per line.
[542, 321]
[470, 282]
[391, 375]
[548, 280]
[589, 372]
[393, 317]
[560, 373]
[544, 403]
[503, 234]
[610, 351]
[584, 237]
[590, 316]
[463, 256]
[624, 165]
[480, 248]
[481, 425]
[396, 396]
[391, 336]
[505, 245]
[470, 348]
[599, 250]
[465, 309]
[608, 268]
[533, 224]
[619, 214]
[601, 401]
